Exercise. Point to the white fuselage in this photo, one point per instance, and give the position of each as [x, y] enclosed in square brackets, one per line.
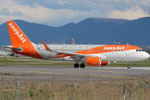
[120, 55]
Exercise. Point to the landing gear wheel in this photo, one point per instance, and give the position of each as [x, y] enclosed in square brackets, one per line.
[76, 65]
[82, 65]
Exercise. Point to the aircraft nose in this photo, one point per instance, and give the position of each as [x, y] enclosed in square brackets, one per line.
[147, 56]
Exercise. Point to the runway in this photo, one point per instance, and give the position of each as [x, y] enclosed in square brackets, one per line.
[70, 73]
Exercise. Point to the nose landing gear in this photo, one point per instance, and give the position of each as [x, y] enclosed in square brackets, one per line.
[129, 65]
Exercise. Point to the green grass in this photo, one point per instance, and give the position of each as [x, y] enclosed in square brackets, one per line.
[33, 61]
[145, 63]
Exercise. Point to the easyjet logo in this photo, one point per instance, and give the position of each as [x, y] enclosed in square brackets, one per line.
[114, 48]
[17, 33]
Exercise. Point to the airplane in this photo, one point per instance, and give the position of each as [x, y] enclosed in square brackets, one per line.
[93, 55]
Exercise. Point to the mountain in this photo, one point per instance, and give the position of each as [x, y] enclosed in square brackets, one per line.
[88, 31]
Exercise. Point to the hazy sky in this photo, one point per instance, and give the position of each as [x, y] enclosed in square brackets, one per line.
[60, 12]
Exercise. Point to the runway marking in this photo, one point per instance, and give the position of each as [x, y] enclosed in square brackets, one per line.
[106, 71]
[145, 68]
[52, 73]
[4, 70]
[45, 72]
[87, 76]
[33, 71]
[9, 71]
[63, 73]
[90, 72]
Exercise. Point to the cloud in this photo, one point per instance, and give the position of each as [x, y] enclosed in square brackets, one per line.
[145, 2]
[60, 12]
[11, 10]
[138, 2]
[133, 13]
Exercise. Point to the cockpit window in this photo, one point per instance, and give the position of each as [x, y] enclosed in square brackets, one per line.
[137, 50]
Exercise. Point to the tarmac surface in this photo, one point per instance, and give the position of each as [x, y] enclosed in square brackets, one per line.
[70, 73]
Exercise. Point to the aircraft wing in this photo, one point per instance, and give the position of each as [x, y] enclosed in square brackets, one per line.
[66, 53]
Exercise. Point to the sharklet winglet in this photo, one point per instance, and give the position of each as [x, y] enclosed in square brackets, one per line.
[46, 47]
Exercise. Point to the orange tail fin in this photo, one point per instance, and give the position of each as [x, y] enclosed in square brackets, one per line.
[20, 42]
[18, 38]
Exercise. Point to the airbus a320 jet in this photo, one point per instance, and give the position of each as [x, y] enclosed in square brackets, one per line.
[94, 55]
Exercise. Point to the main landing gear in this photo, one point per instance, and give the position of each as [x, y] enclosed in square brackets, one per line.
[129, 65]
[76, 65]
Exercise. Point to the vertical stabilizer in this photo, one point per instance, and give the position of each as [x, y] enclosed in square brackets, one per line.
[20, 42]
[18, 38]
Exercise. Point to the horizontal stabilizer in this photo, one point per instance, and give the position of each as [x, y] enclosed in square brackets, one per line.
[9, 47]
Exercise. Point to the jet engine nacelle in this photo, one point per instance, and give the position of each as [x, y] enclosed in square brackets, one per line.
[96, 61]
